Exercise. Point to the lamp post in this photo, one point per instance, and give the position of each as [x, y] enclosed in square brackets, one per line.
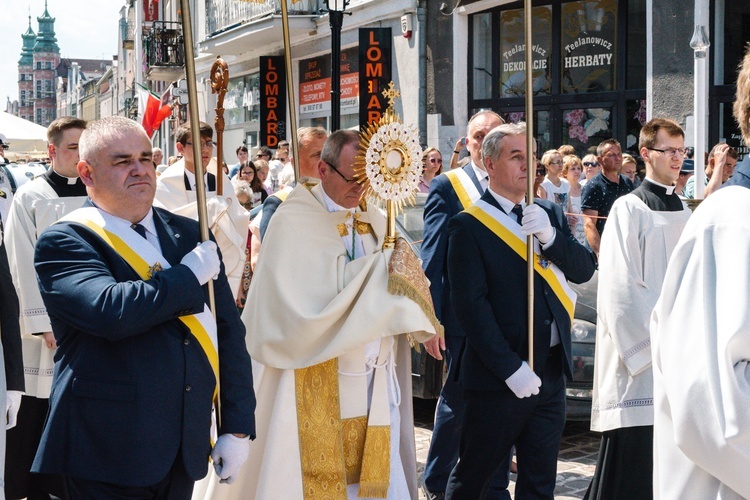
[700, 43]
[336, 10]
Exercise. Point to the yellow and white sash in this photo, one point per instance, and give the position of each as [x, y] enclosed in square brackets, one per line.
[509, 231]
[283, 193]
[145, 259]
[465, 189]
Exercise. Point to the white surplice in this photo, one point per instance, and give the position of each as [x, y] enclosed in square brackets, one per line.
[633, 257]
[700, 331]
[228, 220]
[35, 207]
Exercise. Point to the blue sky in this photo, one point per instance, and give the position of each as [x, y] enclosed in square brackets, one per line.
[85, 29]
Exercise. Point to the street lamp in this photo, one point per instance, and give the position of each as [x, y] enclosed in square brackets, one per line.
[336, 10]
[700, 43]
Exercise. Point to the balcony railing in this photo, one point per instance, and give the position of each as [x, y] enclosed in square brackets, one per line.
[225, 14]
[163, 44]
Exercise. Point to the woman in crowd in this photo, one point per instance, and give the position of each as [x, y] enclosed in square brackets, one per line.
[247, 185]
[432, 165]
[572, 170]
[629, 169]
[262, 169]
[554, 188]
[591, 167]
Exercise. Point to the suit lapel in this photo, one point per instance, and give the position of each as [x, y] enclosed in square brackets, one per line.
[473, 176]
[169, 237]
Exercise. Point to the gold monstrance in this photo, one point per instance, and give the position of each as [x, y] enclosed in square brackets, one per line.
[389, 163]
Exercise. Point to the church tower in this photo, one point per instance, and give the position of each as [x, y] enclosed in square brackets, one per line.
[46, 58]
[26, 75]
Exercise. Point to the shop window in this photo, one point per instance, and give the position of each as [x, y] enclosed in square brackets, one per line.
[735, 34]
[636, 33]
[513, 52]
[636, 118]
[589, 34]
[542, 127]
[586, 127]
[482, 56]
[729, 132]
[242, 100]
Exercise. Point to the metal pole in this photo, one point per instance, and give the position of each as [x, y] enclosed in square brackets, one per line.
[292, 128]
[336, 20]
[530, 170]
[700, 45]
[200, 187]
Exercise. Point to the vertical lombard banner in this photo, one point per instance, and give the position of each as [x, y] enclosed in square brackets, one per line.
[272, 101]
[375, 72]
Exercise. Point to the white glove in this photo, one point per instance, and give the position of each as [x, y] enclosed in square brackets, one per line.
[203, 261]
[12, 405]
[524, 382]
[229, 453]
[536, 221]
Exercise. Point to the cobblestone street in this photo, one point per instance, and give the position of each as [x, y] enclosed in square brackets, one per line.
[575, 465]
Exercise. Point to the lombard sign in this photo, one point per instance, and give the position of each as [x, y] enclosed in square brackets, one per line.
[588, 38]
[375, 72]
[272, 100]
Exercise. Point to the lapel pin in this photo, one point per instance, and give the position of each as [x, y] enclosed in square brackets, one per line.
[176, 235]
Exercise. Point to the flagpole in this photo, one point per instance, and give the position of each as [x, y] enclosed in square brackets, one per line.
[219, 84]
[200, 186]
[290, 89]
[530, 174]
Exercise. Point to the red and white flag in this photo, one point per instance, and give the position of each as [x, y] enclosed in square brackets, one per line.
[151, 110]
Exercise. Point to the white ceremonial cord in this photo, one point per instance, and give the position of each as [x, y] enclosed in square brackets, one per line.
[390, 365]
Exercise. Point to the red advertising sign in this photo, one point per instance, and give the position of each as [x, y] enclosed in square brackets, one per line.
[150, 10]
[315, 82]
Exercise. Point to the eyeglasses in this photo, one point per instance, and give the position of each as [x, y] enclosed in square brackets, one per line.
[348, 181]
[556, 162]
[436, 160]
[670, 151]
[204, 145]
[590, 164]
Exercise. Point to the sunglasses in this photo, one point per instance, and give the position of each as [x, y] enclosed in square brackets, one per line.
[590, 164]
[436, 160]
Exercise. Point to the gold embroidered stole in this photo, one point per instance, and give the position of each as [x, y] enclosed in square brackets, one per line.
[509, 231]
[467, 192]
[145, 260]
[340, 442]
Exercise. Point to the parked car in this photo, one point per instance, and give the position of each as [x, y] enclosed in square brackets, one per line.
[428, 373]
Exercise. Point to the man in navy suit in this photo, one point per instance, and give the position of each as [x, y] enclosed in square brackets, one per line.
[506, 402]
[138, 355]
[449, 194]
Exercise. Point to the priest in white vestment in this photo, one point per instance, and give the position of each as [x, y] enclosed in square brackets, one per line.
[228, 220]
[700, 331]
[332, 364]
[36, 205]
[641, 233]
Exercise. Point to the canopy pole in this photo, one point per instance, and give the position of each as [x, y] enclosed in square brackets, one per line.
[290, 89]
[530, 173]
